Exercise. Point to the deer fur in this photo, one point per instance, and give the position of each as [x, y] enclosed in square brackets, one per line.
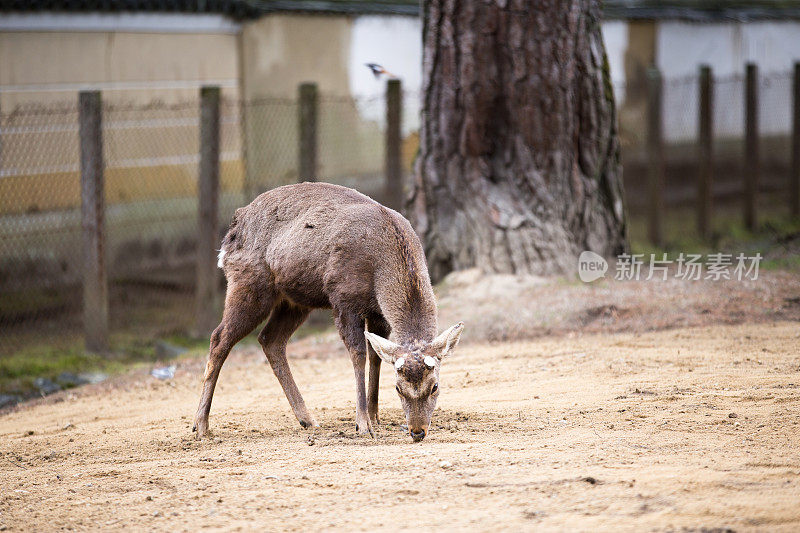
[317, 245]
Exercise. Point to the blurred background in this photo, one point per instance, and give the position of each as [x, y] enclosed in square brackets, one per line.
[149, 59]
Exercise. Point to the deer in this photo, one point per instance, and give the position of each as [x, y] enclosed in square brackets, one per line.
[317, 245]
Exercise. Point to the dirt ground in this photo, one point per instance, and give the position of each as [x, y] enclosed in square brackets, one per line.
[687, 429]
[511, 308]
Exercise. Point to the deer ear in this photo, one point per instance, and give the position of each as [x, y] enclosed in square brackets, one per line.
[386, 349]
[444, 343]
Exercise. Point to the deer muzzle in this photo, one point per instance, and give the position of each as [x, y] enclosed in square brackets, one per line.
[417, 434]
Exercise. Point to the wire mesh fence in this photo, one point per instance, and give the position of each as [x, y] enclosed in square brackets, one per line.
[39, 222]
[151, 154]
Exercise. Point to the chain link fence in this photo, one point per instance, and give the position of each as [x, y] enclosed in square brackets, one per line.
[151, 188]
[151, 155]
[351, 142]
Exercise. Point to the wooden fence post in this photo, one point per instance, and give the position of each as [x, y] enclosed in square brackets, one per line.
[794, 188]
[208, 211]
[655, 154]
[95, 283]
[307, 165]
[394, 165]
[705, 143]
[751, 163]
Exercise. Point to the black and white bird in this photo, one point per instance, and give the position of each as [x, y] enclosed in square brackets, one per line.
[377, 70]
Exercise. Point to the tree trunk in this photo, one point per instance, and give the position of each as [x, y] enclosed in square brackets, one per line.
[519, 167]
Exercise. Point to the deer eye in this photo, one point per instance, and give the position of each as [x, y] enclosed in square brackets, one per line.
[435, 388]
[397, 388]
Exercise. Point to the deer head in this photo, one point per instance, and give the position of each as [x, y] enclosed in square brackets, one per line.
[416, 371]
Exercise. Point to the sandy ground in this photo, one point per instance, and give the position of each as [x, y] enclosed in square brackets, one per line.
[690, 429]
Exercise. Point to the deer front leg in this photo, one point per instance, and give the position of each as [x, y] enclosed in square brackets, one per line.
[351, 329]
[374, 383]
[378, 326]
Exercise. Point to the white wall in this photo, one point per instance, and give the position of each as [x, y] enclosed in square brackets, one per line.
[395, 42]
[682, 46]
[615, 36]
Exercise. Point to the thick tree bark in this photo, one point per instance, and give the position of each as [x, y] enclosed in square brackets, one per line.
[519, 167]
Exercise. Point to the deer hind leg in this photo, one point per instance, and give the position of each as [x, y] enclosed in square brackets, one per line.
[351, 329]
[246, 305]
[379, 326]
[284, 321]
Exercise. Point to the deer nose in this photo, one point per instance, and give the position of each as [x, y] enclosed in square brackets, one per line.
[418, 435]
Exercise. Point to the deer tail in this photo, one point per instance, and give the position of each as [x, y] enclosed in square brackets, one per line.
[230, 241]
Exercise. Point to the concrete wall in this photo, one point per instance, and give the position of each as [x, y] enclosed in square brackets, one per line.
[281, 51]
[46, 67]
[678, 49]
[150, 153]
[638, 52]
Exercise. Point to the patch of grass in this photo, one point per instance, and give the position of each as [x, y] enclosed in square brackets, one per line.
[47, 360]
[776, 228]
[782, 263]
[190, 343]
[19, 370]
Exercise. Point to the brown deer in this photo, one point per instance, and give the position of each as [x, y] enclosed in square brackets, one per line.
[316, 245]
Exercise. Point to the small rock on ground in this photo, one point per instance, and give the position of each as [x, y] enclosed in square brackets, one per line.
[164, 372]
[8, 399]
[93, 377]
[46, 386]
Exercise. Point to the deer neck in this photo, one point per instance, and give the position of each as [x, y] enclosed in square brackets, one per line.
[404, 289]
[410, 310]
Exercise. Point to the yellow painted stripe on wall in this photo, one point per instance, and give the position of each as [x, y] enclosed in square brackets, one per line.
[61, 190]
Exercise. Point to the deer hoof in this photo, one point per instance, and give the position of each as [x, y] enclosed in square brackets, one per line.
[365, 429]
[200, 429]
[308, 422]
